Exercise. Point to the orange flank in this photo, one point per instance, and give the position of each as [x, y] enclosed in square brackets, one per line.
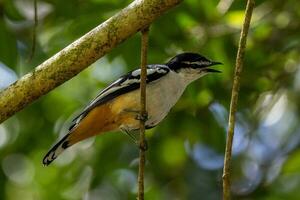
[108, 117]
[97, 121]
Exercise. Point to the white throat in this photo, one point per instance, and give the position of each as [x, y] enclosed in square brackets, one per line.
[189, 75]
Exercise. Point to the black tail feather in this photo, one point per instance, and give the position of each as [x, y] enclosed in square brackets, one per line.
[57, 149]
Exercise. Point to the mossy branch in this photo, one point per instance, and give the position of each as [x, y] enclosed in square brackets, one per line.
[234, 98]
[80, 54]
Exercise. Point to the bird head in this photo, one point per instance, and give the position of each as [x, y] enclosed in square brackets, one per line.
[192, 65]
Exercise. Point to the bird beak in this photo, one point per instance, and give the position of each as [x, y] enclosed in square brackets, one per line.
[215, 63]
[213, 70]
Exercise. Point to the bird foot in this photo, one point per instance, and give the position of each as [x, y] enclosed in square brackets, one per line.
[143, 117]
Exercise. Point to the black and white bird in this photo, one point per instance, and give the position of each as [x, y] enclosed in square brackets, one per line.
[117, 106]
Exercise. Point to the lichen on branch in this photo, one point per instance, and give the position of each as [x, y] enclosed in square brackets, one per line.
[80, 54]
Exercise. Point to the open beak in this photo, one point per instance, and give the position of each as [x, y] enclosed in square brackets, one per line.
[214, 70]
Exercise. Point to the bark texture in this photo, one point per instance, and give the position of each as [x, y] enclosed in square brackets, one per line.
[80, 54]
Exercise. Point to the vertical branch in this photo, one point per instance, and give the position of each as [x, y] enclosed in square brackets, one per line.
[143, 113]
[34, 31]
[234, 98]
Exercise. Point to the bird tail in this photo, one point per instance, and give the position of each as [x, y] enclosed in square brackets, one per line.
[57, 149]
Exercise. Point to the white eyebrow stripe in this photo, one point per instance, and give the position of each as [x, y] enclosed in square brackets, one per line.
[197, 62]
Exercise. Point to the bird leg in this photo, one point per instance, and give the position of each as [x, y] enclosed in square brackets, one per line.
[130, 134]
[133, 137]
[143, 118]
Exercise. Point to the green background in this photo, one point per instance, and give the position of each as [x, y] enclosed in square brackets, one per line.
[185, 156]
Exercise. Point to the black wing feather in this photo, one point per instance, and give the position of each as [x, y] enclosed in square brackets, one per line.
[125, 84]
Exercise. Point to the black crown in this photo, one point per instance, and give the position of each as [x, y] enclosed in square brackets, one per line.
[188, 60]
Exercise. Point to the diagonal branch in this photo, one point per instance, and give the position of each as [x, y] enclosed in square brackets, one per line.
[234, 98]
[80, 54]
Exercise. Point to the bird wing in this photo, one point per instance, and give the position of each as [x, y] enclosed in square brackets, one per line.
[125, 84]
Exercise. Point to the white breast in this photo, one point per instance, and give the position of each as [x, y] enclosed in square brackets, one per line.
[162, 95]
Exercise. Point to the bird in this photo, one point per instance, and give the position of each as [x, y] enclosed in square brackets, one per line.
[116, 108]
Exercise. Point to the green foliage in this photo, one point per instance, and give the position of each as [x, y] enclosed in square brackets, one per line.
[185, 155]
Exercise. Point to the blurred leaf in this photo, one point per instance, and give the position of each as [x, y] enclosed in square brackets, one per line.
[173, 153]
[11, 11]
[235, 18]
[8, 47]
[292, 165]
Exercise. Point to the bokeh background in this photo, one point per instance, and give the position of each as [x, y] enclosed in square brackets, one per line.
[185, 156]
